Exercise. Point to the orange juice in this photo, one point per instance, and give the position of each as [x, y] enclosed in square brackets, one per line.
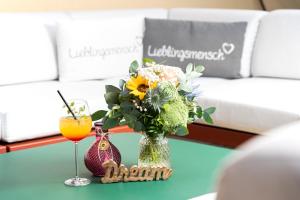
[75, 130]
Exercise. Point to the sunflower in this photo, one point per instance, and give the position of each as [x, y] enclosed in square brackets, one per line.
[139, 86]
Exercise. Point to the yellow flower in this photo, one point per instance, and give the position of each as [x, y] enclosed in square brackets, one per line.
[139, 86]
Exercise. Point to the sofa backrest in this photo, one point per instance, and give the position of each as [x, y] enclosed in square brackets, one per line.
[28, 41]
[277, 48]
[28, 47]
[151, 13]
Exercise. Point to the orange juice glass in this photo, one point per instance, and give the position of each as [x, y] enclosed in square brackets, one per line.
[75, 126]
[75, 129]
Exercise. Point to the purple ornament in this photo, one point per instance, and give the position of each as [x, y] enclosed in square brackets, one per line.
[100, 151]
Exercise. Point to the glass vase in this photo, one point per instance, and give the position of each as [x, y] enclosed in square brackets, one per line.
[154, 152]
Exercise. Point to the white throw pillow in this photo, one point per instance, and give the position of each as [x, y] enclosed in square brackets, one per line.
[27, 52]
[277, 48]
[98, 49]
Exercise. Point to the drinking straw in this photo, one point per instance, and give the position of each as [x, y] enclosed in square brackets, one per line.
[65, 102]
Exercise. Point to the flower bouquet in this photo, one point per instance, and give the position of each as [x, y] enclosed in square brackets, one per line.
[156, 100]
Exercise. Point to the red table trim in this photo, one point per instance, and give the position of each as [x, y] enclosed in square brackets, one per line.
[52, 140]
[2, 149]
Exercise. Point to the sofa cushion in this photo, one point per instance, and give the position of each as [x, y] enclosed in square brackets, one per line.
[226, 15]
[202, 84]
[27, 52]
[277, 48]
[98, 49]
[106, 41]
[253, 104]
[49, 19]
[33, 110]
[218, 46]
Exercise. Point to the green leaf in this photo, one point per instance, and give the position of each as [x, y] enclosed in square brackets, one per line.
[110, 123]
[185, 87]
[126, 107]
[181, 131]
[138, 126]
[111, 88]
[124, 96]
[112, 97]
[199, 112]
[210, 110]
[148, 60]
[116, 107]
[116, 114]
[195, 74]
[122, 123]
[130, 120]
[199, 68]
[98, 115]
[189, 68]
[135, 113]
[207, 118]
[110, 106]
[121, 84]
[133, 67]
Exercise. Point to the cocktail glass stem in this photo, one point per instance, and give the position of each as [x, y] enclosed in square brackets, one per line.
[76, 160]
[77, 181]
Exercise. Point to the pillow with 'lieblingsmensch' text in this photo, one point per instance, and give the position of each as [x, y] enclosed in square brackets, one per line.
[98, 49]
[218, 46]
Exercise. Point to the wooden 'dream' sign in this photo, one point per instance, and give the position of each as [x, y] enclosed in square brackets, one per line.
[115, 173]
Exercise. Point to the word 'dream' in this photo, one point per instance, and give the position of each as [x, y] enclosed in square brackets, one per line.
[115, 173]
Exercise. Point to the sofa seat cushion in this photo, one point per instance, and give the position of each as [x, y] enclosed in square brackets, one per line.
[32, 110]
[253, 105]
[205, 83]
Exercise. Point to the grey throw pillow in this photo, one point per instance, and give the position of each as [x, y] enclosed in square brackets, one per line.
[218, 46]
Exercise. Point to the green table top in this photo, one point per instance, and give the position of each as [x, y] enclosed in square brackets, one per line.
[39, 173]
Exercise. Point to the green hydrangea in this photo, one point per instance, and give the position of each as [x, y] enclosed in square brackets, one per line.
[174, 113]
[167, 90]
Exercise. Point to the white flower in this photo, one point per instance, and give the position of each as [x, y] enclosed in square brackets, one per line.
[148, 74]
[156, 72]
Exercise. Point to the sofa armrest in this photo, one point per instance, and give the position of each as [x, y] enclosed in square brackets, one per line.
[266, 168]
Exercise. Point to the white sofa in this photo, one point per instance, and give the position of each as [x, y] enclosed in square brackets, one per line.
[30, 107]
[266, 168]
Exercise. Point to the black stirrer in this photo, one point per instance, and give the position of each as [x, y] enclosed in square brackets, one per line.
[61, 96]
